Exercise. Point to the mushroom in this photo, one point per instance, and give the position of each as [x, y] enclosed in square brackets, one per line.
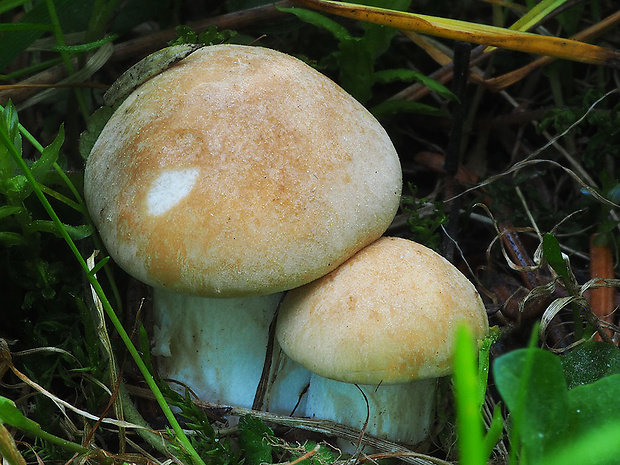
[385, 321]
[237, 173]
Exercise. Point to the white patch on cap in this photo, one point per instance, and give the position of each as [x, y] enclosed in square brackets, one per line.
[169, 189]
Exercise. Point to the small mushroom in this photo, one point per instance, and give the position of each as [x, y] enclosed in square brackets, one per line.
[237, 173]
[384, 320]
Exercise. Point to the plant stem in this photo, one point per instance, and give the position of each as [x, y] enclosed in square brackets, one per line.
[467, 394]
[60, 39]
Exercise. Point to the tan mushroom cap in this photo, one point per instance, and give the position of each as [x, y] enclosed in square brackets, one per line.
[240, 171]
[387, 315]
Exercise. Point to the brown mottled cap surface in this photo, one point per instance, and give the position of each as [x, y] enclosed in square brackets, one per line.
[387, 315]
[240, 171]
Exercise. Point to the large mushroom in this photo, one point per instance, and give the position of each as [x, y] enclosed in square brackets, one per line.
[384, 320]
[236, 174]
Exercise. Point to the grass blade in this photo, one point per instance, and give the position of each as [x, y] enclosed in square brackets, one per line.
[466, 390]
[472, 32]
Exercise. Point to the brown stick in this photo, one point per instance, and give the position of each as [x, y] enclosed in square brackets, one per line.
[136, 49]
[602, 299]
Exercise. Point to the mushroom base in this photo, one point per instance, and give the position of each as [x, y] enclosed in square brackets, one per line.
[398, 412]
[217, 347]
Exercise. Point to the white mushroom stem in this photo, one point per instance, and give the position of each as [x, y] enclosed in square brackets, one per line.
[217, 347]
[398, 412]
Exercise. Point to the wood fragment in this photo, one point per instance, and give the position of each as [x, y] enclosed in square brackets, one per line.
[602, 299]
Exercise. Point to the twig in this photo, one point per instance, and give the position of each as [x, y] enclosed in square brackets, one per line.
[462, 54]
[140, 47]
[327, 427]
[602, 299]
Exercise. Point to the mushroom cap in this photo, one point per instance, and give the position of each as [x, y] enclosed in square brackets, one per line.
[240, 171]
[387, 315]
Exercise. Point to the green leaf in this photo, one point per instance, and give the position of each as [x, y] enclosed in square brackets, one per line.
[536, 14]
[593, 406]
[7, 5]
[75, 232]
[145, 346]
[356, 55]
[49, 155]
[8, 210]
[596, 447]
[213, 36]
[252, 434]
[590, 362]
[531, 383]
[323, 455]
[16, 187]
[102, 12]
[9, 126]
[394, 107]
[553, 255]
[94, 126]
[409, 75]
[185, 35]
[11, 415]
[317, 19]
[377, 37]
[494, 433]
[100, 264]
[18, 27]
[356, 68]
[355, 59]
[8, 239]
[613, 193]
[81, 48]
[483, 362]
[547, 417]
[210, 36]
